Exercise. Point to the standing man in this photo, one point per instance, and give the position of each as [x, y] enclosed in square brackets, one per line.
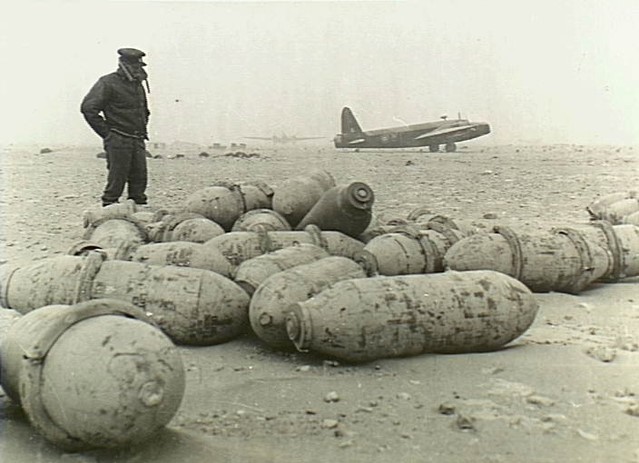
[116, 109]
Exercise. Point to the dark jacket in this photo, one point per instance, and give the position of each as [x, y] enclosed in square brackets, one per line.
[123, 104]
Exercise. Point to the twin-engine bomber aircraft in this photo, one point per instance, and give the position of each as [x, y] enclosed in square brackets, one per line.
[431, 134]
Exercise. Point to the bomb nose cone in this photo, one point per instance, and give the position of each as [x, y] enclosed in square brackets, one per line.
[151, 393]
[297, 328]
[293, 328]
[360, 195]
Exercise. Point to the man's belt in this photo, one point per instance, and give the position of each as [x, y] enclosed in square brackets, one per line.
[130, 135]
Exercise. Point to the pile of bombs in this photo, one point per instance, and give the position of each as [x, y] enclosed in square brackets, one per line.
[617, 208]
[303, 265]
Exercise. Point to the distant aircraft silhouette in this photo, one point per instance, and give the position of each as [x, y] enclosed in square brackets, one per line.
[431, 134]
[282, 139]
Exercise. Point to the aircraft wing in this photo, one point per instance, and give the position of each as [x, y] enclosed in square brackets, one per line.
[437, 132]
[357, 142]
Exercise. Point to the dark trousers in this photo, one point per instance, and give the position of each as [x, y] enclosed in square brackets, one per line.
[126, 163]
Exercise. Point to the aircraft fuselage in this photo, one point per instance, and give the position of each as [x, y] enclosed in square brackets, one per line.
[416, 135]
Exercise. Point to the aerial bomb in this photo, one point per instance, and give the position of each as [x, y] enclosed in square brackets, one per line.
[162, 230]
[621, 241]
[272, 299]
[544, 261]
[175, 253]
[96, 374]
[112, 211]
[343, 208]
[196, 230]
[423, 218]
[255, 195]
[614, 207]
[379, 227]
[261, 219]
[296, 196]
[251, 273]
[240, 246]
[145, 217]
[360, 320]
[216, 203]
[224, 203]
[191, 305]
[616, 212]
[408, 250]
[111, 233]
[183, 254]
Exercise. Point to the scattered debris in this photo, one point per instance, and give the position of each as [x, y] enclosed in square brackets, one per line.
[587, 435]
[627, 342]
[633, 409]
[465, 422]
[330, 363]
[331, 397]
[446, 408]
[329, 423]
[492, 370]
[540, 400]
[241, 154]
[602, 353]
[364, 409]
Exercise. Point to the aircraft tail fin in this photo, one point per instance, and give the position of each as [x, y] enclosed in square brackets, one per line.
[349, 123]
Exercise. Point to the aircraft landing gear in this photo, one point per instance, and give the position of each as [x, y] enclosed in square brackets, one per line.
[433, 148]
[451, 147]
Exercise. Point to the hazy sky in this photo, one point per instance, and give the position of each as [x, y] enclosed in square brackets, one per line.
[539, 71]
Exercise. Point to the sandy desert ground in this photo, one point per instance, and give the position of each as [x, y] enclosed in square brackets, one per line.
[566, 391]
